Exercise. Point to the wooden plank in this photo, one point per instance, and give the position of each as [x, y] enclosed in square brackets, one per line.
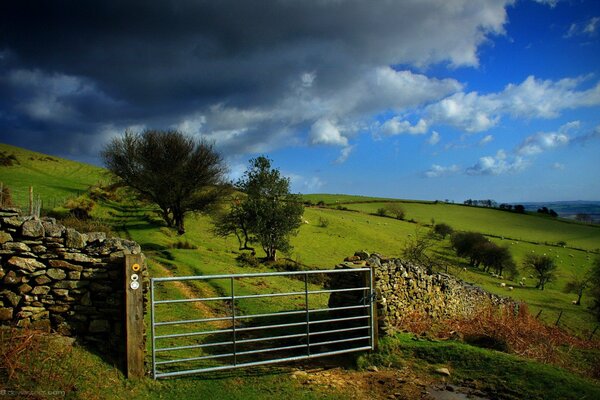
[134, 317]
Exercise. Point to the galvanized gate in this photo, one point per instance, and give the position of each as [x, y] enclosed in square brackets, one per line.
[194, 331]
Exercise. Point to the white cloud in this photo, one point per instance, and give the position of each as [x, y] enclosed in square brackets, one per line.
[437, 171]
[533, 98]
[487, 139]
[323, 131]
[551, 3]
[344, 154]
[304, 184]
[396, 126]
[434, 138]
[497, 165]
[558, 166]
[586, 28]
[543, 141]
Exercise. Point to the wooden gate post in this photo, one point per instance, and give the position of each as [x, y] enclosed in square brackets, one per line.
[134, 316]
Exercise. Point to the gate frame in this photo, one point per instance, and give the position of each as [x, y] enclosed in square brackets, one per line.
[369, 304]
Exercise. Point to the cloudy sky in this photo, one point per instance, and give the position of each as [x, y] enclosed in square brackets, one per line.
[421, 99]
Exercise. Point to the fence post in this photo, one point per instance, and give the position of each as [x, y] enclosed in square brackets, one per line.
[593, 333]
[558, 320]
[30, 200]
[134, 316]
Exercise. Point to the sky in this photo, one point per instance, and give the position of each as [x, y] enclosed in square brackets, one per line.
[414, 99]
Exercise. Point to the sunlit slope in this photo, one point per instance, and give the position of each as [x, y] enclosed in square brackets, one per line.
[533, 228]
[53, 179]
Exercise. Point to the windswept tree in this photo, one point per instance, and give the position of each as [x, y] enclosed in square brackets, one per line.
[578, 284]
[595, 286]
[267, 213]
[542, 266]
[469, 245]
[176, 172]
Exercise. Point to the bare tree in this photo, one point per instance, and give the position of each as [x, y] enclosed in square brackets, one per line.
[173, 171]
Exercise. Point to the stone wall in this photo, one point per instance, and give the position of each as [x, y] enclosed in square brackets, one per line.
[55, 278]
[403, 288]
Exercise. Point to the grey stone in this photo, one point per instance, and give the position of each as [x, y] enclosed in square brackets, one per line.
[78, 257]
[42, 280]
[70, 284]
[14, 222]
[40, 290]
[86, 299]
[93, 237]
[61, 292]
[25, 263]
[32, 228]
[56, 274]
[65, 265]
[24, 288]
[53, 229]
[11, 278]
[5, 237]
[74, 239]
[74, 275]
[15, 246]
[13, 298]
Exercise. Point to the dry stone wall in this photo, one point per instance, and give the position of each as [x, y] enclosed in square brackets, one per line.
[55, 278]
[404, 288]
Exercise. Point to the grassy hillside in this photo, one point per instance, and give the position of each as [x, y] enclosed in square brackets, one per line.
[53, 179]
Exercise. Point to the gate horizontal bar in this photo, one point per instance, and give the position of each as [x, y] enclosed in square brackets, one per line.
[256, 275]
[180, 360]
[256, 296]
[176, 335]
[192, 346]
[300, 312]
[251, 364]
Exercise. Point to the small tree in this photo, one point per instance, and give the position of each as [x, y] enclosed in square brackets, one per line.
[543, 267]
[443, 230]
[469, 245]
[396, 210]
[268, 213]
[173, 171]
[416, 248]
[577, 284]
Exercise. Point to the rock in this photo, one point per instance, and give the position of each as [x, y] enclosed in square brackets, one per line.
[56, 274]
[362, 255]
[74, 275]
[86, 299]
[78, 257]
[14, 222]
[52, 228]
[32, 228]
[6, 314]
[443, 371]
[59, 308]
[42, 280]
[5, 237]
[11, 278]
[65, 265]
[25, 263]
[15, 246]
[13, 298]
[74, 239]
[70, 284]
[40, 290]
[93, 237]
[24, 288]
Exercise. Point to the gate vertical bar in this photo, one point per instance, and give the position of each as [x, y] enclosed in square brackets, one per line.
[153, 333]
[372, 310]
[233, 322]
[307, 314]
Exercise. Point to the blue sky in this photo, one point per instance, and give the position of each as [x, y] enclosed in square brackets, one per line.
[428, 99]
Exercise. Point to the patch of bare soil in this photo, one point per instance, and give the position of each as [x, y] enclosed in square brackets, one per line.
[384, 384]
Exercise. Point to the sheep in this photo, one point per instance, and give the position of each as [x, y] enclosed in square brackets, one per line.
[465, 269]
[522, 284]
[502, 284]
[573, 301]
[510, 288]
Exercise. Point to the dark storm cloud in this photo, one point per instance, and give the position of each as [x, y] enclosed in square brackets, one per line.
[74, 68]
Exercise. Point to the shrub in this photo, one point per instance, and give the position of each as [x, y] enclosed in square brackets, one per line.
[248, 260]
[80, 207]
[382, 212]
[396, 210]
[86, 225]
[323, 222]
[443, 230]
[185, 245]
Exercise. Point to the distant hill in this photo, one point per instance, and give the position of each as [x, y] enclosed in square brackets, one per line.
[569, 209]
[53, 179]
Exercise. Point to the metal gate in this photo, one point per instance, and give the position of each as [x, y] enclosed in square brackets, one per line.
[193, 332]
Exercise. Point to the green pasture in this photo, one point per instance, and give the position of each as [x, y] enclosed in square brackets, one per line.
[528, 227]
[53, 179]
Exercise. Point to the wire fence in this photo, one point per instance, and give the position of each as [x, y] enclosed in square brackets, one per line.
[30, 201]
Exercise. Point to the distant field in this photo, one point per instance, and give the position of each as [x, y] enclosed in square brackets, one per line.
[534, 228]
[53, 179]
